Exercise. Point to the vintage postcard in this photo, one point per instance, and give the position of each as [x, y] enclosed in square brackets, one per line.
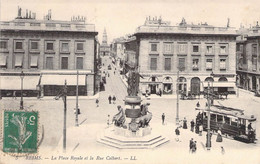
[129, 82]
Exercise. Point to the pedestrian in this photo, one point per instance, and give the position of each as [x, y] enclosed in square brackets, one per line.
[14, 95]
[191, 144]
[249, 127]
[160, 92]
[163, 118]
[219, 136]
[198, 104]
[114, 99]
[200, 129]
[177, 132]
[194, 147]
[77, 110]
[114, 72]
[97, 102]
[184, 123]
[107, 74]
[119, 107]
[192, 124]
[222, 150]
[109, 99]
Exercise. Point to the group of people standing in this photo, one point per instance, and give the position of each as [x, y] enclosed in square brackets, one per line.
[110, 99]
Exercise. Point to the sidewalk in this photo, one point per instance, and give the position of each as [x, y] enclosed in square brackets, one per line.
[53, 98]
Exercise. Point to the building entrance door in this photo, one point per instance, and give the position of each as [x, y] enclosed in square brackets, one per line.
[152, 88]
[195, 86]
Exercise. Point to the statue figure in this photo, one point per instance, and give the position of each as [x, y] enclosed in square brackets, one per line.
[133, 83]
[119, 118]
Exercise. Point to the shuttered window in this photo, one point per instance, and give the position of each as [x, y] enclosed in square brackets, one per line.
[181, 64]
[64, 63]
[79, 63]
[49, 63]
[167, 64]
[153, 64]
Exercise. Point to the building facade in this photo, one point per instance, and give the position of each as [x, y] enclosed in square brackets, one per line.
[48, 52]
[248, 59]
[198, 53]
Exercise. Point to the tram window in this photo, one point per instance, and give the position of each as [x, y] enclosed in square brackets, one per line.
[213, 117]
[234, 122]
[219, 118]
[227, 120]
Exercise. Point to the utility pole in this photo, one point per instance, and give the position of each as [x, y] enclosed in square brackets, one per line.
[177, 104]
[77, 100]
[65, 115]
[208, 122]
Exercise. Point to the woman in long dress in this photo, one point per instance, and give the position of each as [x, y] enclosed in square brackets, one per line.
[185, 123]
[219, 137]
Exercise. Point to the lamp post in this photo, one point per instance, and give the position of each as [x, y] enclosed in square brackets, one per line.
[177, 104]
[64, 96]
[77, 100]
[21, 102]
[208, 122]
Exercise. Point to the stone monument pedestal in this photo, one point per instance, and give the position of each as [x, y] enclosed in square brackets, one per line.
[121, 138]
[128, 133]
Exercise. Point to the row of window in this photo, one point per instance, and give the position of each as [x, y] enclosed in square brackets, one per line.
[182, 48]
[49, 62]
[49, 46]
[182, 61]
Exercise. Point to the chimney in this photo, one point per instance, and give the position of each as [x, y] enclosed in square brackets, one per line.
[30, 14]
[228, 22]
[26, 13]
[50, 14]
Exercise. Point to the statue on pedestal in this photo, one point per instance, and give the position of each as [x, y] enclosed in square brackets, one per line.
[134, 111]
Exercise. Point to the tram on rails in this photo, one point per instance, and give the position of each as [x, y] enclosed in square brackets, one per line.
[231, 121]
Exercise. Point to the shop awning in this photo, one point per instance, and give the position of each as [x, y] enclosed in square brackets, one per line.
[60, 79]
[14, 82]
[34, 61]
[220, 84]
[18, 60]
[2, 60]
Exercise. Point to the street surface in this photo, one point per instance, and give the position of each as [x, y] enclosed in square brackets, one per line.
[82, 140]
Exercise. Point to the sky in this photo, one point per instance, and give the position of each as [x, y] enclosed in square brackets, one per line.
[121, 17]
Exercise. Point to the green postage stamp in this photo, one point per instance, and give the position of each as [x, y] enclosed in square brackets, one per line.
[20, 130]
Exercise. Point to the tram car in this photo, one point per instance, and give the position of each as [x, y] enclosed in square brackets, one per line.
[230, 121]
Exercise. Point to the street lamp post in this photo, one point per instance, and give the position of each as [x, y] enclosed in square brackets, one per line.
[208, 121]
[77, 100]
[64, 94]
[177, 104]
[21, 102]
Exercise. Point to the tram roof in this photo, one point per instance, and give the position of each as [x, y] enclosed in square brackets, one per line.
[239, 113]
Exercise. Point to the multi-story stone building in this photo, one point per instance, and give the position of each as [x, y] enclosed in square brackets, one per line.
[104, 47]
[48, 52]
[248, 59]
[118, 49]
[200, 53]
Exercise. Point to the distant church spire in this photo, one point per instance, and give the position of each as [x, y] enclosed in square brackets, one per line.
[104, 41]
